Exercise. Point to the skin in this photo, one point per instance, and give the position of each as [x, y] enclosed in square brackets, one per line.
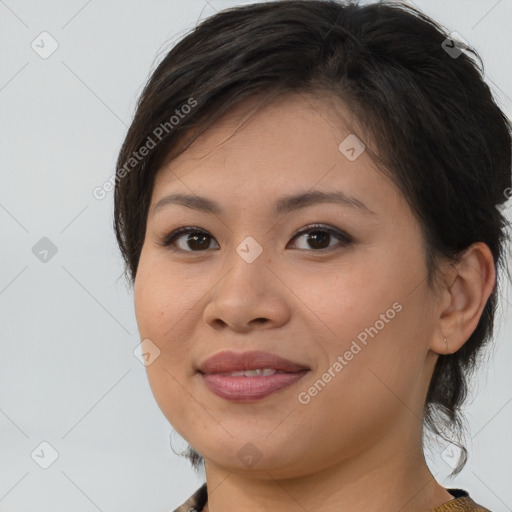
[363, 430]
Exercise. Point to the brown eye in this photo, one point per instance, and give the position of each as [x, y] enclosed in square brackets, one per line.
[198, 240]
[318, 237]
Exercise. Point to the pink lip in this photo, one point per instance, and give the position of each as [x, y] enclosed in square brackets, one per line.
[244, 389]
[247, 389]
[228, 361]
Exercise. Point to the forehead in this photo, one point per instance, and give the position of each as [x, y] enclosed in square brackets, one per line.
[293, 143]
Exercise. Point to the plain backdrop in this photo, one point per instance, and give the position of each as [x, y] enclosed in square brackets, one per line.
[73, 395]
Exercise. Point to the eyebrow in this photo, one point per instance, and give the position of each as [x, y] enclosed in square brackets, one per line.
[283, 205]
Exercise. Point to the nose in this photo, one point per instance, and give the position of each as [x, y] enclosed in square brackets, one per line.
[248, 294]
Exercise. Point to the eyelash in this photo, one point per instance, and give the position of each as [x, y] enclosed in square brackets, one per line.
[345, 239]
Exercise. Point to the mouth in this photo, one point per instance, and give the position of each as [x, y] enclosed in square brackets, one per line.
[258, 372]
[227, 362]
[249, 376]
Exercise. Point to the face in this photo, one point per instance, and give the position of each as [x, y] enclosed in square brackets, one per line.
[338, 287]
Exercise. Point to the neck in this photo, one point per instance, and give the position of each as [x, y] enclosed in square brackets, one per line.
[390, 476]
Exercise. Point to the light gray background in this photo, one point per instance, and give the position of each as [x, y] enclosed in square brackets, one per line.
[68, 374]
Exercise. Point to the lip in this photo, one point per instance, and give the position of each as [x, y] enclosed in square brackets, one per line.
[229, 361]
[248, 389]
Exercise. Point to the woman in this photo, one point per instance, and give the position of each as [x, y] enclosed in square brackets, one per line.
[307, 205]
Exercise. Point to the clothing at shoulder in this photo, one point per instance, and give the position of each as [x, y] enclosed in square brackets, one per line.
[461, 503]
[196, 502]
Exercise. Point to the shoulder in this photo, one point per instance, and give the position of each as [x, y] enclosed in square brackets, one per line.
[462, 503]
[196, 502]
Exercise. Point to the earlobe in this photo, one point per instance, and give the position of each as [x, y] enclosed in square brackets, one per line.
[467, 296]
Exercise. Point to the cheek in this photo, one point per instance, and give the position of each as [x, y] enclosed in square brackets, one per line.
[372, 367]
[372, 315]
[158, 320]
[346, 303]
[163, 316]
[162, 297]
[165, 304]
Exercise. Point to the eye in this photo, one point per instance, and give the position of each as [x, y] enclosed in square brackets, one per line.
[197, 237]
[318, 236]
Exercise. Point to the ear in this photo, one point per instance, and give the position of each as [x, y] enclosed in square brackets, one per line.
[462, 302]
